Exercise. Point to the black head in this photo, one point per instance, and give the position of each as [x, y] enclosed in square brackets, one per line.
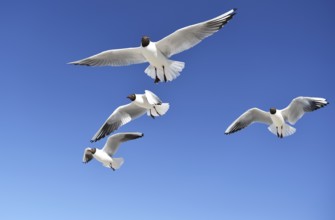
[145, 41]
[93, 150]
[132, 97]
[273, 111]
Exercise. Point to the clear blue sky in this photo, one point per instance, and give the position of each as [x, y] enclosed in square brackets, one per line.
[184, 167]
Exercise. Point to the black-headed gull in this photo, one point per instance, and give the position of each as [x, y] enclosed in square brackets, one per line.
[105, 155]
[141, 103]
[276, 119]
[161, 68]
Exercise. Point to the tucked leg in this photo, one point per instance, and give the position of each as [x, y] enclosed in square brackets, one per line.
[277, 132]
[157, 111]
[157, 80]
[152, 115]
[165, 80]
[281, 135]
[110, 165]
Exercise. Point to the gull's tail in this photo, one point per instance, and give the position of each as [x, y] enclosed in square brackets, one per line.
[117, 162]
[172, 71]
[286, 131]
[158, 110]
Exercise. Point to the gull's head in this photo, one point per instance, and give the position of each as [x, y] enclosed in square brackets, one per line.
[273, 111]
[145, 41]
[132, 97]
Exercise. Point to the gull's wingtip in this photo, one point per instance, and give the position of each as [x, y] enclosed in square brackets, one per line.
[230, 14]
[234, 11]
[73, 63]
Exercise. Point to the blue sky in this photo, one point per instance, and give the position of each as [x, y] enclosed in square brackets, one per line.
[184, 167]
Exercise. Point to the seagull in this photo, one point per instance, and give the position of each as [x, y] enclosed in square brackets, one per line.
[161, 68]
[105, 155]
[276, 119]
[141, 103]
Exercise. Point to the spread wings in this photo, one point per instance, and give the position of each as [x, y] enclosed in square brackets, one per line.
[88, 156]
[249, 117]
[121, 116]
[117, 57]
[297, 108]
[114, 141]
[152, 98]
[190, 36]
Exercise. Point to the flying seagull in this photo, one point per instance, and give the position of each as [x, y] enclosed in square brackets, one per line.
[141, 103]
[276, 119]
[161, 68]
[105, 155]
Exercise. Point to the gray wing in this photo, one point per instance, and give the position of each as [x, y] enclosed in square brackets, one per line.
[297, 108]
[121, 116]
[88, 156]
[249, 117]
[118, 57]
[190, 36]
[152, 98]
[115, 140]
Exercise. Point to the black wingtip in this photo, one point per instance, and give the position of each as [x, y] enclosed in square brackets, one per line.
[79, 64]
[233, 13]
[323, 104]
[230, 16]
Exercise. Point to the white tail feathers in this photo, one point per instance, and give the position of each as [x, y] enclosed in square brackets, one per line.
[272, 128]
[150, 71]
[158, 110]
[286, 131]
[172, 71]
[117, 163]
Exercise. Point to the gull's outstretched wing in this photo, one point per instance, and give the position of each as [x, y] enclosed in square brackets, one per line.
[115, 140]
[117, 57]
[88, 156]
[190, 36]
[297, 108]
[121, 116]
[249, 117]
[152, 98]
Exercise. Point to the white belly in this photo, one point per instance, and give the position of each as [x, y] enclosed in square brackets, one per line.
[154, 56]
[103, 158]
[277, 119]
[278, 122]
